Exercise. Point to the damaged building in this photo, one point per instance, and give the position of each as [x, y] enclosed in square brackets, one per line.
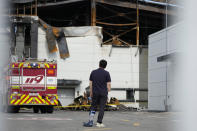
[84, 31]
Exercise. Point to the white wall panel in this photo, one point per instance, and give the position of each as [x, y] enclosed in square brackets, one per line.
[117, 94]
[157, 89]
[157, 75]
[156, 36]
[153, 64]
[156, 103]
[85, 54]
[160, 77]
[158, 47]
[173, 43]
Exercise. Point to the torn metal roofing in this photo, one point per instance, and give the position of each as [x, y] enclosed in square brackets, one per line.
[22, 1]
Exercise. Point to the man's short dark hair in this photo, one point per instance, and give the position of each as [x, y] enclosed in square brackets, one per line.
[102, 63]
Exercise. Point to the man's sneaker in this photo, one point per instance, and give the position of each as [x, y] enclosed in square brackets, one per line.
[100, 124]
[88, 124]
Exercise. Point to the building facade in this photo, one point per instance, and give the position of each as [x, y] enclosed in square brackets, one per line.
[127, 65]
[163, 53]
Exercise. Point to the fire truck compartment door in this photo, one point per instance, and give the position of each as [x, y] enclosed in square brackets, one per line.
[33, 79]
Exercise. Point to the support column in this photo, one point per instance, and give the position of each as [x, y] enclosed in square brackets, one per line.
[93, 13]
[137, 27]
[36, 8]
[24, 12]
[31, 8]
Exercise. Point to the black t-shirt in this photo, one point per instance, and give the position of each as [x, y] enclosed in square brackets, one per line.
[99, 78]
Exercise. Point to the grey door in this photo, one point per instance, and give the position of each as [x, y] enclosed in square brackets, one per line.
[66, 96]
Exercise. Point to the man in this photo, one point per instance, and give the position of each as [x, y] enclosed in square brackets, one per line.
[100, 85]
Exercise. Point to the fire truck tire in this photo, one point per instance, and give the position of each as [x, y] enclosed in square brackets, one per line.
[50, 109]
[43, 109]
[13, 109]
[9, 109]
[35, 109]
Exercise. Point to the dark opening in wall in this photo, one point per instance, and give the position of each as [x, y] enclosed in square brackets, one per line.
[27, 35]
[27, 40]
[130, 95]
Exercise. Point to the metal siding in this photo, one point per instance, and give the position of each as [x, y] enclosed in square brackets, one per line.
[157, 72]
[66, 96]
[160, 77]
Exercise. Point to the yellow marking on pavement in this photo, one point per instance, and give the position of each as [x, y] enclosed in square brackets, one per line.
[136, 124]
[78, 106]
[98, 129]
[113, 104]
[125, 120]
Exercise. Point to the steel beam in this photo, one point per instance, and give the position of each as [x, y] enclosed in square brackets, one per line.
[58, 3]
[133, 6]
[93, 13]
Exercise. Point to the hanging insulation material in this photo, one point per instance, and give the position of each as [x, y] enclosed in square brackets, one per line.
[51, 40]
[53, 35]
[62, 44]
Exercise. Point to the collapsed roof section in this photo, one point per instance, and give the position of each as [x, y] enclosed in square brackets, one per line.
[127, 22]
[24, 37]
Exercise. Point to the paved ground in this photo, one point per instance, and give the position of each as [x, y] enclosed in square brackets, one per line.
[72, 121]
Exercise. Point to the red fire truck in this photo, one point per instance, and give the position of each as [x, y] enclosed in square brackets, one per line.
[32, 84]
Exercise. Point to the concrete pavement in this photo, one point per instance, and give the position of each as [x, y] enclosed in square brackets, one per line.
[72, 121]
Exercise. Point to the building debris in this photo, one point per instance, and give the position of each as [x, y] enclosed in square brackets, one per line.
[83, 103]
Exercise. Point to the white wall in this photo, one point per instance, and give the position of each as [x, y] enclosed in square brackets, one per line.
[160, 74]
[85, 54]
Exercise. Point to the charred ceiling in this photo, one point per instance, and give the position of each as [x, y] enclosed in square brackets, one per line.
[71, 14]
[117, 17]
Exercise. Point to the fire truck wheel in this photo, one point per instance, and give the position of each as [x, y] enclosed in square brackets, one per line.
[50, 109]
[35, 109]
[9, 109]
[17, 109]
[13, 109]
[43, 109]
